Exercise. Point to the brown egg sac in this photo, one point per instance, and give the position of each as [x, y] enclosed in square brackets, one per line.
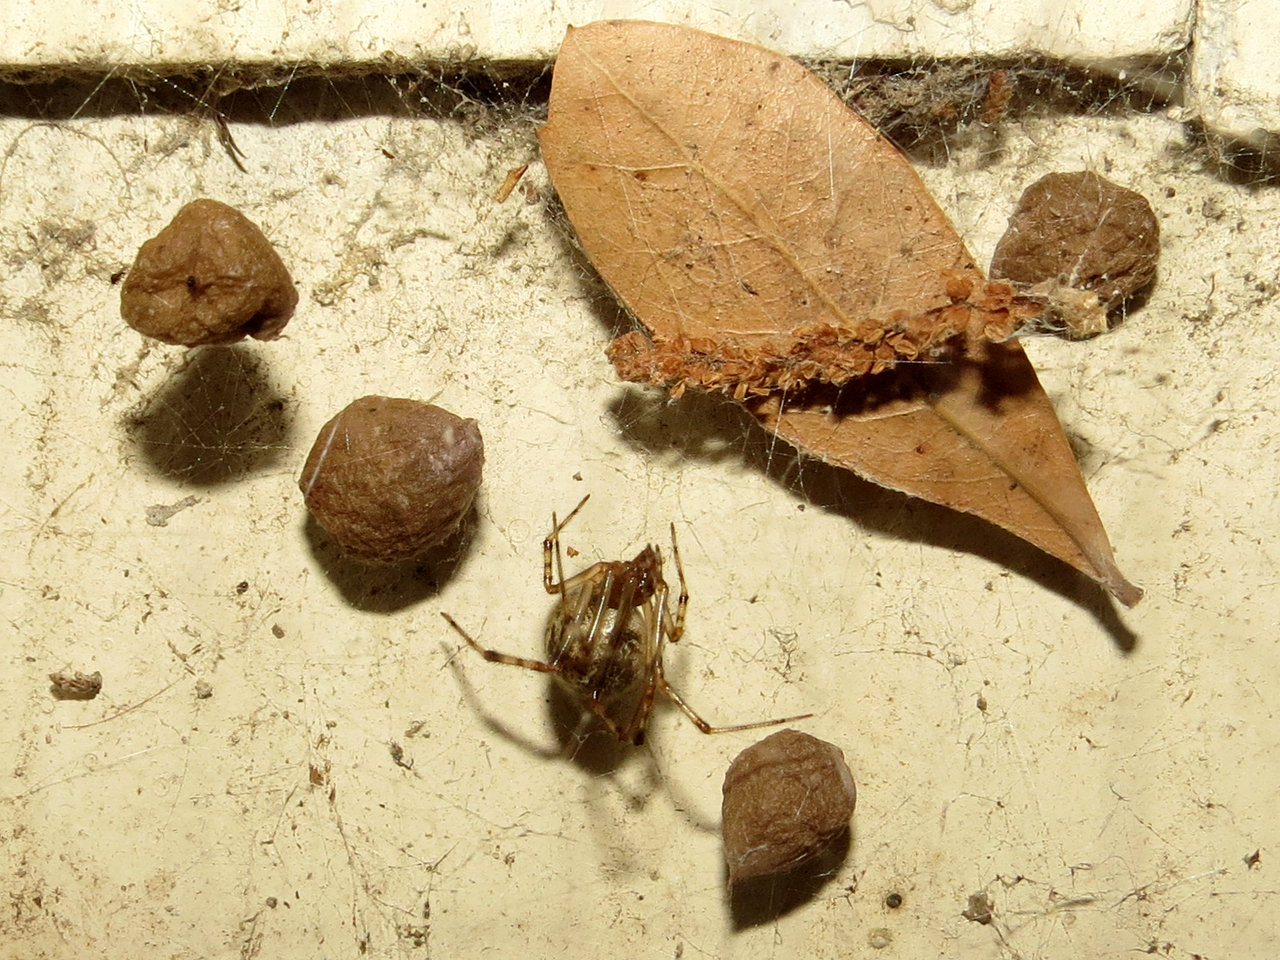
[1082, 243]
[389, 478]
[210, 276]
[786, 799]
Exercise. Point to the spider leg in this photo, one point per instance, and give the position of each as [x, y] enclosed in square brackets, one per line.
[673, 631]
[493, 656]
[630, 734]
[655, 628]
[552, 543]
[676, 630]
[661, 681]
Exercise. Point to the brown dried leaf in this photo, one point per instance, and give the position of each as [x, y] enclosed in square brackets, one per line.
[979, 436]
[775, 245]
[731, 199]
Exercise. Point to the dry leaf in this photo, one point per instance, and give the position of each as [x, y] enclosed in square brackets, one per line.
[978, 435]
[774, 245]
[737, 206]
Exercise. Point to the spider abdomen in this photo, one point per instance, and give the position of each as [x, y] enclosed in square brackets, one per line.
[598, 657]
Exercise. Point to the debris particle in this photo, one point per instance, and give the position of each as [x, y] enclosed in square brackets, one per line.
[980, 908]
[921, 104]
[999, 93]
[390, 478]
[210, 276]
[159, 514]
[879, 938]
[416, 728]
[509, 184]
[1253, 859]
[823, 353]
[1082, 243]
[397, 754]
[418, 934]
[76, 686]
[786, 799]
[1212, 209]
[204, 689]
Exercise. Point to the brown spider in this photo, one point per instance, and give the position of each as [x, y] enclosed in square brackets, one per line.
[605, 639]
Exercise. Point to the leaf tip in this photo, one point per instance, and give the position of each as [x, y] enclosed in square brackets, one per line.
[1127, 593]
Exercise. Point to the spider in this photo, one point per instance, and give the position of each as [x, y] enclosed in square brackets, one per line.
[605, 638]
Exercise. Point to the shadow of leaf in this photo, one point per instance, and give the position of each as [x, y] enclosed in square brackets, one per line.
[714, 429]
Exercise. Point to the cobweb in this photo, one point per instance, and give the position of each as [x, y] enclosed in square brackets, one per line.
[291, 750]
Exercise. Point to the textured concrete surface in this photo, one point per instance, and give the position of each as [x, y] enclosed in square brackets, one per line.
[295, 755]
[1234, 83]
[366, 30]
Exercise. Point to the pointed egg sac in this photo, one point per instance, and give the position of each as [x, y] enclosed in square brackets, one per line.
[210, 276]
[786, 800]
